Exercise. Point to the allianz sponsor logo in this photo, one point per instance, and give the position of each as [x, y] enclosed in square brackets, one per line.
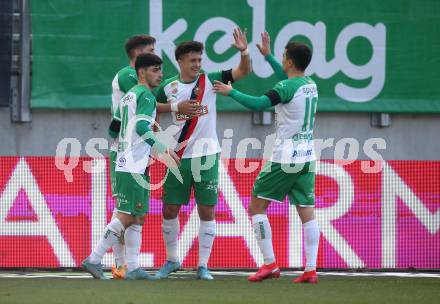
[302, 153]
[322, 65]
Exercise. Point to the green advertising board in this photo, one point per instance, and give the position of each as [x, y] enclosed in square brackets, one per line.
[369, 56]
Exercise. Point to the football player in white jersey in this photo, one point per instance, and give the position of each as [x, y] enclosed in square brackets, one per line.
[198, 148]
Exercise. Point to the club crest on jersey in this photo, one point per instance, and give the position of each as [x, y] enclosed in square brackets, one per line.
[203, 110]
[174, 87]
[139, 206]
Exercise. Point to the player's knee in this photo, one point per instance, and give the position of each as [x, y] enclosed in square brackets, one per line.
[125, 219]
[256, 208]
[206, 213]
[306, 214]
[253, 210]
[139, 220]
[170, 212]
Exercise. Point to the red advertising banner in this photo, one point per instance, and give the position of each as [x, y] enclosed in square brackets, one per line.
[386, 219]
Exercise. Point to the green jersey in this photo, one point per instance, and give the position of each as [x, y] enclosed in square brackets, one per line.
[123, 81]
[295, 101]
[133, 152]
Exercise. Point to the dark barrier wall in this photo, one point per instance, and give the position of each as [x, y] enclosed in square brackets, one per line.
[5, 51]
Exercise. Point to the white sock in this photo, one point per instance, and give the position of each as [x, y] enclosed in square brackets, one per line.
[119, 249]
[206, 239]
[263, 234]
[170, 231]
[133, 241]
[111, 235]
[311, 242]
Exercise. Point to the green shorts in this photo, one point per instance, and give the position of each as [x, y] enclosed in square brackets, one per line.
[204, 181]
[132, 193]
[113, 155]
[273, 183]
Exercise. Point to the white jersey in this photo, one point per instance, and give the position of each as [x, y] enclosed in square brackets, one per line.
[295, 116]
[200, 135]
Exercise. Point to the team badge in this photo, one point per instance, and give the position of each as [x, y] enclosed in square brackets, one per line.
[174, 87]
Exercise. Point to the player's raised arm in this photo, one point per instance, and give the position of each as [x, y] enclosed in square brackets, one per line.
[252, 102]
[265, 50]
[241, 44]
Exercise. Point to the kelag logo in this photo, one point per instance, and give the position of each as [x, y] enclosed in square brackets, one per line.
[321, 66]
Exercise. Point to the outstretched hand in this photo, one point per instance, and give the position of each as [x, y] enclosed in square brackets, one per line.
[221, 88]
[240, 40]
[189, 107]
[264, 47]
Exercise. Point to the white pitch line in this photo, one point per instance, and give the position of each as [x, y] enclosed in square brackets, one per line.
[183, 274]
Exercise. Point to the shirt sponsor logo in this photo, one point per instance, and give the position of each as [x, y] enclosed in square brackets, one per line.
[203, 110]
[302, 153]
[174, 87]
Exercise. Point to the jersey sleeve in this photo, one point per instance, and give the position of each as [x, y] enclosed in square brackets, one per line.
[276, 66]
[223, 76]
[282, 92]
[160, 95]
[252, 102]
[117, 114]
[146, 105]
[127, 80]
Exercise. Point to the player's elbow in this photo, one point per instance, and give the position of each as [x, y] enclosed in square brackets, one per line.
[241, 72]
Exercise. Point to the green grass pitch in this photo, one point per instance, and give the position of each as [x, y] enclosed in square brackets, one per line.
[224, 289]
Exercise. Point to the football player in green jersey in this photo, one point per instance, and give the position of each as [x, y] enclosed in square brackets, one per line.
[137, 108]
[291, 169]
[124, 80]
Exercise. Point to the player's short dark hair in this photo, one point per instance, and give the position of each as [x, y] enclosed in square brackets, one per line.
[146, 60]
[137, 41]
[300, 54]
[188, 47]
